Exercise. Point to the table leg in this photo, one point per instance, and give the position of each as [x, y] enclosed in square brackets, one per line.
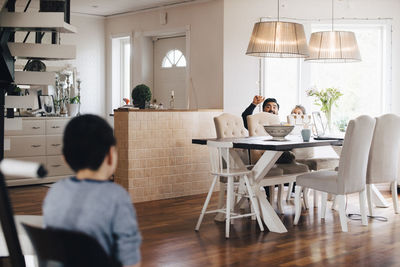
[263, 165]
[269, 216]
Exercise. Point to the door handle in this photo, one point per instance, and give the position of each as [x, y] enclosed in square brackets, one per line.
[55, 127]
[36, 146]
[35, 127]
[55, 145]
[56, 166]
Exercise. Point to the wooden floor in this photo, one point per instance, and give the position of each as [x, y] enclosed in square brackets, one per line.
[169, 239]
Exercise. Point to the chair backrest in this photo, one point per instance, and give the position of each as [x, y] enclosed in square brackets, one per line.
[300, 122]
[354, 157]
[67, 247]
[257, 121]
[228, 125]
[219, 156]
[385, 148]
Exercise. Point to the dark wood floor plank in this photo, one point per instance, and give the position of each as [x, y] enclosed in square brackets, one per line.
[169, 238]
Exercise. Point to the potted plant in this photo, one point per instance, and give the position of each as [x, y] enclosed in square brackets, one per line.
[140, 95]
[326, 98]
[73, 105]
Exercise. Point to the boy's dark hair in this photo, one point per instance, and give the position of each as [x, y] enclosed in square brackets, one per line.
[270, 100]
[86, 142]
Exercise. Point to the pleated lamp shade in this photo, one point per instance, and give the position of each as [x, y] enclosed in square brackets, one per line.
[278, 39]
[333, 47]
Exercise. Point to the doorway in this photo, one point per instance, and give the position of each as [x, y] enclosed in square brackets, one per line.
[170, 73]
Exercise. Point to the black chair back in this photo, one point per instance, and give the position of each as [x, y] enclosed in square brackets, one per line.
[67, 248]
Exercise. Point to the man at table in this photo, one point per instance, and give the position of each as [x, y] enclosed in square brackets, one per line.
[270, 105]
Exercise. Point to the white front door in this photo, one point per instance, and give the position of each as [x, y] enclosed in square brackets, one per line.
[170, 72]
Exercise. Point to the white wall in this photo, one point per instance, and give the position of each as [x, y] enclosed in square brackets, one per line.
[90, 61]
[241, 71]
[206, 43]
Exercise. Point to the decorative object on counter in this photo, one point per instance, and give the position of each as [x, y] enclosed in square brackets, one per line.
[172, 100]
[326, 98]
[140, 95]
[46, 103]
[73, 106]
[35, 65]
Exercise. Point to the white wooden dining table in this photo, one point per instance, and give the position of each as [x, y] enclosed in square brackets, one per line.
[272, 151]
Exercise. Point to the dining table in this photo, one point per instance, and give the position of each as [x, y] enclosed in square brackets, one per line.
[272, 150]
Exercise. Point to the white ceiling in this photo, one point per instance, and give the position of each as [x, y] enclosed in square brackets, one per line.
[105, 7]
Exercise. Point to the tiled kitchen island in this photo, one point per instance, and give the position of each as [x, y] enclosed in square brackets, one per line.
[156, 158]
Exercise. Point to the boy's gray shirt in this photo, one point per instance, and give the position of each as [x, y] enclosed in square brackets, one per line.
[100, 209]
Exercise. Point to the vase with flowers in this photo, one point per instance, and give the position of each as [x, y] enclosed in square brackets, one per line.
[326, 98]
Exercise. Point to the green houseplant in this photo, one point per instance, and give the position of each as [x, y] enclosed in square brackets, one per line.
[140, 95]
[73, 105]
[326, 98]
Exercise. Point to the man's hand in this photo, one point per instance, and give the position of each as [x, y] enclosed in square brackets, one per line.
[258, 99]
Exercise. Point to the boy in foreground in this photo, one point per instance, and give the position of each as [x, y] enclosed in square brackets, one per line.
[89, 202]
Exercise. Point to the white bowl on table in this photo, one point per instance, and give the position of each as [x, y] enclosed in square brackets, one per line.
[278, 132]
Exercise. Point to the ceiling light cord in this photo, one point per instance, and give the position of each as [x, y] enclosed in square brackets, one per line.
[332, 15]
[278, 10]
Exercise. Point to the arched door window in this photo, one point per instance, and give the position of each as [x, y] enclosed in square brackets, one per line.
[174, 58]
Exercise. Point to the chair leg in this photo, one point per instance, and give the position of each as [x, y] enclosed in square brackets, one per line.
[221, 196]
[271, 194]
[289, 192]
[342, 212]
[363, 208]
[395, 197]
[315, 199]
[206, 203]
[280, 198]
[305, 197]
[220, 217]
[297, 204]
[369, 200]
[324, 199]
[254, 203]
[333, 201]
[229, 192]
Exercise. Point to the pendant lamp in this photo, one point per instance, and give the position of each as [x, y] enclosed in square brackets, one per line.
[278, 39]
[333, 46]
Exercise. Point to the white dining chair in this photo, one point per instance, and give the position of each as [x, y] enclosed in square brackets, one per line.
[222, 166]
[383, 161]
[307, 155]
[231, 126]
[351, 175]
[256, 128]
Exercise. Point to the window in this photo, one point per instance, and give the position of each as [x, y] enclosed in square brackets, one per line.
[174, 58]
[361, 83]
[121, 69]
[366, 85]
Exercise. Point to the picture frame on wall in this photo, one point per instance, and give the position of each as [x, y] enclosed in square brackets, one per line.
[46, 103]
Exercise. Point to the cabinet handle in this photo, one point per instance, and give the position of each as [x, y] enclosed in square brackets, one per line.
[56, 166]
[55, 127]
[55, 144]
[35, 127]
[36, 145]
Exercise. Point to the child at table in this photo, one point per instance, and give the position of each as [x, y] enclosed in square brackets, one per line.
[89, 202]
